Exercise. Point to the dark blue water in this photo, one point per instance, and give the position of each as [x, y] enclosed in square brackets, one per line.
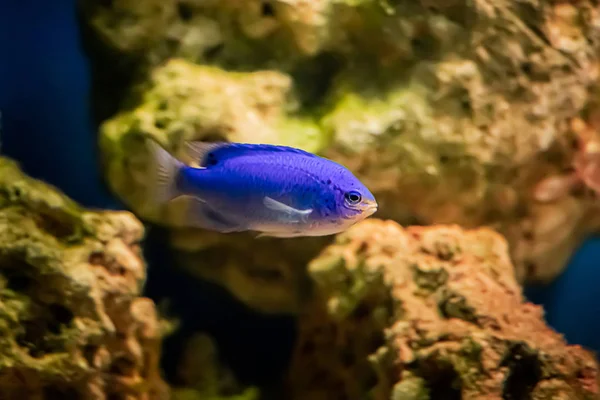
[47, 127]
[572, 302]
[44, 87]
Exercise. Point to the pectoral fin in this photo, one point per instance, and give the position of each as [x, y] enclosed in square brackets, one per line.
[288, 214]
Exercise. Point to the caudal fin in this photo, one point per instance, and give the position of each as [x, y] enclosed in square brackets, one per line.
[165, 169]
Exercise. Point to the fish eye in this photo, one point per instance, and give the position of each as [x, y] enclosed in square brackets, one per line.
[353, 197]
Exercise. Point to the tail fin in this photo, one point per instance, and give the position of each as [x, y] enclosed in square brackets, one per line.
[165, 169]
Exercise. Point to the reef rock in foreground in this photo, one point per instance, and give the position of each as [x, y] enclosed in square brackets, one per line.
[72, 322]
[424, 312]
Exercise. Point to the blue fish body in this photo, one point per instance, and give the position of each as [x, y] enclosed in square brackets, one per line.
[275, 190]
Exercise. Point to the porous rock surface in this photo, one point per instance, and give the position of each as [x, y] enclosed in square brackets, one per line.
[183, 101]
[451, 111]
[72, 322]
[429, 313]
[203, 377]
[268, 275]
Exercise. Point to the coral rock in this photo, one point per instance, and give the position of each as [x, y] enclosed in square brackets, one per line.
[480, 115]
[72, 320]
[424, 312]
[129, 27]
[268, 278]
[182, 102]
[202, 376]
[452, 112]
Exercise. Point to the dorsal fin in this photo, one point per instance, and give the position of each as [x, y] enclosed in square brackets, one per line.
[200, 151]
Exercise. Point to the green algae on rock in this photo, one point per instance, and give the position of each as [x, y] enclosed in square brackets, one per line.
[183, 101]
[237, 33]
[72, 319]
[377, 330]
[131, 27]
[73, 323]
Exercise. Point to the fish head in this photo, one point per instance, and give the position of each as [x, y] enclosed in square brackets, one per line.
[354, 201]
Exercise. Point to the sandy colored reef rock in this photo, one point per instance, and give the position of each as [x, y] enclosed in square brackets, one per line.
[268, 275]
[204, 378]
[451, 111]
[72, 322]
[182, 101]
[429, 313]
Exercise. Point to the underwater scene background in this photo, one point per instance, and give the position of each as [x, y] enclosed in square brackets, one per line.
[452, 112]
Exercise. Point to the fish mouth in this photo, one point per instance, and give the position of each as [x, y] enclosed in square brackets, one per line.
[370, 208]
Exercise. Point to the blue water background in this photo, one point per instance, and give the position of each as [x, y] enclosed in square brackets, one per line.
[47, 127]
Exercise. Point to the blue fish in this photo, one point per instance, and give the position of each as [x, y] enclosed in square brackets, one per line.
[277, 191]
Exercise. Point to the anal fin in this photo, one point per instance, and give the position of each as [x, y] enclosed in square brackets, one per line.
[280, 235]
[201, 215]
